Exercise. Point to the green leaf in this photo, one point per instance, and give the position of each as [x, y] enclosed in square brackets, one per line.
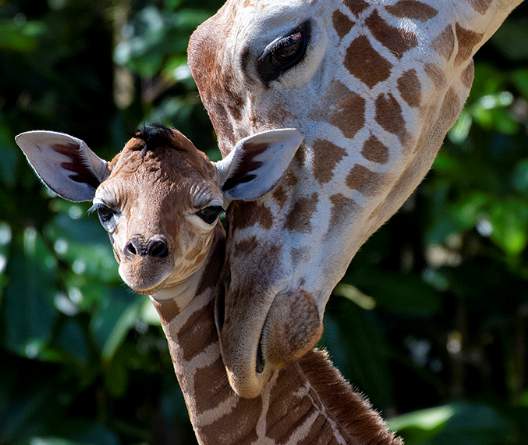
[72, 340]
[403, 294]
[113, 319]
[52, 441]
[520, 176]
[29, 308]
[8, 155]
[468, 424]
[509, 220]
[20, 36]
[520, 78]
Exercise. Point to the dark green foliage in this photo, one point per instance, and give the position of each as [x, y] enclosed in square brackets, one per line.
[431, 321]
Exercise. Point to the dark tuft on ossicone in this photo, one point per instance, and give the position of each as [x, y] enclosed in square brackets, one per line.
[155, 136]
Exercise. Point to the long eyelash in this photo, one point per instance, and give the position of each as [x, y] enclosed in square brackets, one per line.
[96, 206]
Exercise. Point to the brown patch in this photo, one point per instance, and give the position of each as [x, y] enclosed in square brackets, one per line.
[248, 214]
[342, 24]
[326, 158]
[356, 6]
[389, 115]
[481, 6]
[451, 106]
[410, 88]
[365, 63]
[444, 44]
[374, 151]
[286, 413]
[282, 395]
[290, 179]
[216, 83]
[167, 310]
[356, 419]
[349, 114]
[467, 41]
[412, 9]
[280, 196]
[246, 247]
[342, 207]
[300, 156]
[320, 433]
[237, 427]
[436, 75]
[211, 386]
[363, 180]
[398, 40]
[214, 267]
[198, 332]
[468, 75]
[299, 217]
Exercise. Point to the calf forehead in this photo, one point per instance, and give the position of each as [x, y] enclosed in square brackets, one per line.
[161, 178]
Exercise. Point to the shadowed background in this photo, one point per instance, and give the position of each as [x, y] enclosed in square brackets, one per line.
[431, 321]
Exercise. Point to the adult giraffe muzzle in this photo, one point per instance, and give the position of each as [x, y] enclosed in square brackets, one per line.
[374, 87]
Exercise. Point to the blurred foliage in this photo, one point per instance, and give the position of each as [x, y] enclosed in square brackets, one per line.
[431, 319]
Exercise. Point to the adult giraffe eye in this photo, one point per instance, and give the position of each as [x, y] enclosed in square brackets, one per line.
[284, 53]
[210, 214]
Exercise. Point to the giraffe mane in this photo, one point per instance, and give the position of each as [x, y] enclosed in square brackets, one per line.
[349, 410]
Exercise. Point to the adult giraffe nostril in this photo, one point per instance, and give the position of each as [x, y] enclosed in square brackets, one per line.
[158, 248]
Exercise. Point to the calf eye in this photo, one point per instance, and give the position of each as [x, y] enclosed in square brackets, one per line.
[210, 214]
[107, 216]
[284, 53]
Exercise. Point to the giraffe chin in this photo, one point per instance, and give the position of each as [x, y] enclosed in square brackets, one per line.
[150, 280]
[291, 329]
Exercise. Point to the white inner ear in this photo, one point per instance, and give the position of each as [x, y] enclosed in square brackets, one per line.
[266, 166]
[40, 149]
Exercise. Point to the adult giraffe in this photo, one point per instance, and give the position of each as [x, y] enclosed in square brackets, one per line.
[374, 86]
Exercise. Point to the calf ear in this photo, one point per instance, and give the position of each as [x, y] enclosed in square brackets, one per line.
[64, 163]
[257, 163]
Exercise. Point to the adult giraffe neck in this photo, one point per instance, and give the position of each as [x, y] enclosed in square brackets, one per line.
[307, 403]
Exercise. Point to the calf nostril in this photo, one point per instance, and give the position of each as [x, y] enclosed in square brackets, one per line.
[158, 249]
[130, 249]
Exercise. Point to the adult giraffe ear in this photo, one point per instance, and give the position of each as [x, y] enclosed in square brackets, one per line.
[63, 163]
[257, 163]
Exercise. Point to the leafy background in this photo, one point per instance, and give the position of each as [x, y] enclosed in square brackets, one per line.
[431, 320]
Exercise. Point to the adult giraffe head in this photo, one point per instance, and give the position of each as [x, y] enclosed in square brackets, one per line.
[373, 86]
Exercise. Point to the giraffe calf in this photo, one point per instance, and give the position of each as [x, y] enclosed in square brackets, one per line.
[160, 198]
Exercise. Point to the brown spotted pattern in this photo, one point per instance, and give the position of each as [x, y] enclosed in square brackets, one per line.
[326, 158]
[412, 9]
[365, 63]
[342, 24]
